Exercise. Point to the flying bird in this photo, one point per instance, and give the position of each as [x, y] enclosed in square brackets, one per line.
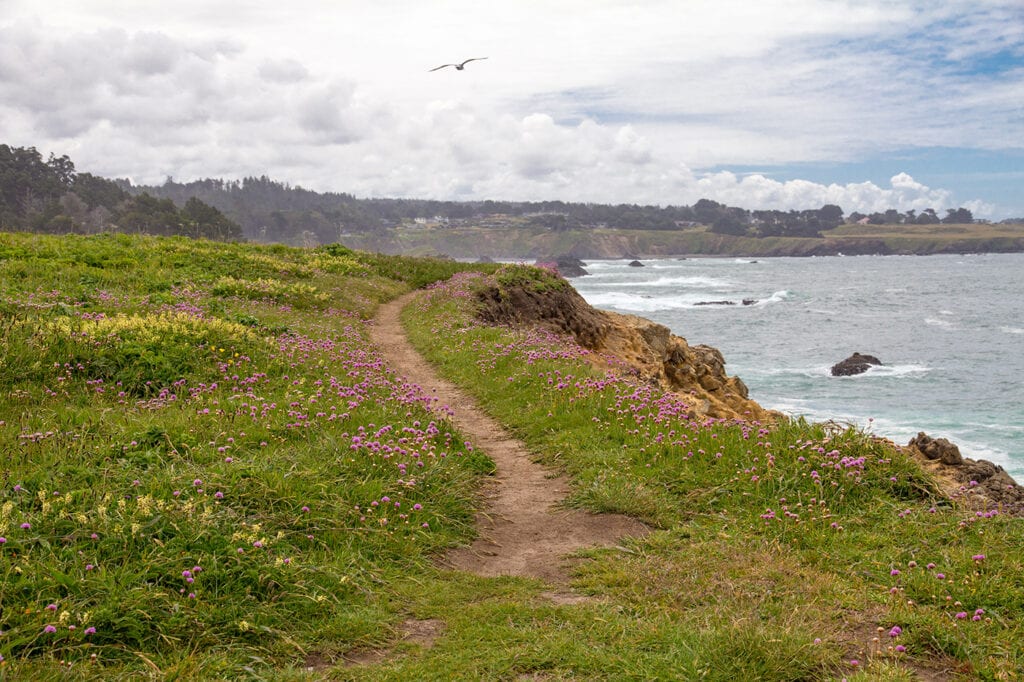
[461, 66]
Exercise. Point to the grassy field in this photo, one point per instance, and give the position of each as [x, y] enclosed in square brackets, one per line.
[518, 241]
[208, 473]
[785, 551]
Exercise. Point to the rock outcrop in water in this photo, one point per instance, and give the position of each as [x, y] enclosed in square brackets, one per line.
[567, 266]
[855, 364]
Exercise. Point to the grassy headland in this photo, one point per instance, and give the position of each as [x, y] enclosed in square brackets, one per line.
[515, 239]
[208, 473]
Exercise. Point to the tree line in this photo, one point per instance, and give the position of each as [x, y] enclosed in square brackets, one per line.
[50, 196]
[273, 211]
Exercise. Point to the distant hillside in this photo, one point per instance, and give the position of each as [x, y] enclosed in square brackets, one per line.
[522, 242]
[51, 196]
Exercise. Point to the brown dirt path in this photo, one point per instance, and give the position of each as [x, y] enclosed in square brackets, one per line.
[522, 529]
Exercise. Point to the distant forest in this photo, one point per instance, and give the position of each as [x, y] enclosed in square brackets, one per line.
[50, 196]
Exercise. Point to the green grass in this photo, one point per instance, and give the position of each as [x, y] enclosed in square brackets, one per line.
[771, 536]
[167, 404]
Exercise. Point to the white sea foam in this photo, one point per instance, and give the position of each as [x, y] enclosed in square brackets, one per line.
[895, 370]
[818, 371]
[776, 297]
[809, 371]
[635, 302]
[1012, 330]
[942, 324]
[643, 303]
[698, 282]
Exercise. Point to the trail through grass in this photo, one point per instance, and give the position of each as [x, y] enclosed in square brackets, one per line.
[208, 472]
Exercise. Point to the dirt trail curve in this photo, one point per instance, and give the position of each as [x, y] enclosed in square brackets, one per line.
[522, 531]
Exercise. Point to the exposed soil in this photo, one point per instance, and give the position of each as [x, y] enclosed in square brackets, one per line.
[523, 529]
[420, 632]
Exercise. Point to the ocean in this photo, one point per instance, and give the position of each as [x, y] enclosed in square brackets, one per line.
[949, 331]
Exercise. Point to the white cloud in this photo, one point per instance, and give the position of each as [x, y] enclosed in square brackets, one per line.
[579, 100]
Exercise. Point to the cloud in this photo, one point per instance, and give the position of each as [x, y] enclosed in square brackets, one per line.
[148, 105]
[283, 71]
[757, 191]
[328, 113]
[604, 102]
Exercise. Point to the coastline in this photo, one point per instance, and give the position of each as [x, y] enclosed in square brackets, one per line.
[650, 350]
[520, 243]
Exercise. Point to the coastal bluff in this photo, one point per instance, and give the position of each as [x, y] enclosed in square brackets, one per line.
[653, 353]
[639, 346]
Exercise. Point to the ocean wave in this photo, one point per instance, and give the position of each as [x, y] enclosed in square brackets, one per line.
[1012, 330]
[699, 282]
[643, 303]
[891, 371]
[635, 302]
[942, 324]
[817, 371]
[1006, 428]
[776, 297]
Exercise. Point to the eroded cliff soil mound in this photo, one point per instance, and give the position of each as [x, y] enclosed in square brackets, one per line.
[644, 347]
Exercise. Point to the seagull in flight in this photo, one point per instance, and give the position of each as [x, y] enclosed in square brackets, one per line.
[461, 66]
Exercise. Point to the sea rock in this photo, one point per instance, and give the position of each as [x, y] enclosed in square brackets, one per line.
[568, 266]
[746, 301]
[937, 448]
[636, 264]
[855, 364]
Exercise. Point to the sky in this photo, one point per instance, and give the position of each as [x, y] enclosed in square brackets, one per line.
[774, 104]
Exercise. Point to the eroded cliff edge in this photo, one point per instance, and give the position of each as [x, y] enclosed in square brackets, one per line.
[652, 352]
[641, 346]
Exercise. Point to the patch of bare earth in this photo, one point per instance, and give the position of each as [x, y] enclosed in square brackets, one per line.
[421, 632]
[523, 530]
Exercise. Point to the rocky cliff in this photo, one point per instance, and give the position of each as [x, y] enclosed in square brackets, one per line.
[644, 347]
[978, 483]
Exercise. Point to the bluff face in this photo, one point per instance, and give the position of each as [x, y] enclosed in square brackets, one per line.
[633, 343]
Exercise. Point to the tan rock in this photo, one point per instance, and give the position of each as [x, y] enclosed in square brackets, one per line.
[647, 348]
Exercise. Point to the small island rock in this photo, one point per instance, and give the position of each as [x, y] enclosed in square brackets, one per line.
[568, 266]
[636, 264]
[855, 364]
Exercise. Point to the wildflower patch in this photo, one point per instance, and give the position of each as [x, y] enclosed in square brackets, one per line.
[141, 353]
